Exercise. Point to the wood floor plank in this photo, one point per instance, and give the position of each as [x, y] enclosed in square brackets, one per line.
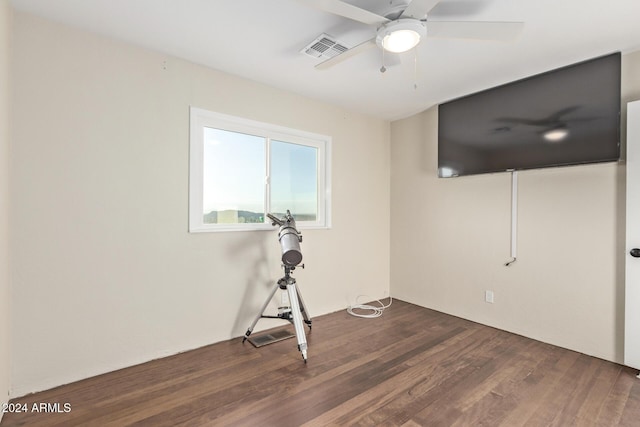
[410, 367]
[379, 395]
[474, 401]
[447, 402]
[632, 406]
[624, 401]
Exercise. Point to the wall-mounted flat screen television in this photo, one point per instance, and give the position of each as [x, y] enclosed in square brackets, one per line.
[567, 116]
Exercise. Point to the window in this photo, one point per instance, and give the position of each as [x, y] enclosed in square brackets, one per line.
[240, 170]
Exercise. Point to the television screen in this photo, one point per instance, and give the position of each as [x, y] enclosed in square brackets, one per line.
[563, 117]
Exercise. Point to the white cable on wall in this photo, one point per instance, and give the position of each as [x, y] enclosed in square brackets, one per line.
[373, 311]
[514, 217]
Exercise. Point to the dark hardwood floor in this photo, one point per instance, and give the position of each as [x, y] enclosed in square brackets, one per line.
[410, 367]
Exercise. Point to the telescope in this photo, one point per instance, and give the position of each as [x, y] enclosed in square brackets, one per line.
[289, 238]
[294, 311]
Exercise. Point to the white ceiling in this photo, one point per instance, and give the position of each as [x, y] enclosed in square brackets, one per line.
[261, 40]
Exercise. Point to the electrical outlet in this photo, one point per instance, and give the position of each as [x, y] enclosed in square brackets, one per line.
[488, 296]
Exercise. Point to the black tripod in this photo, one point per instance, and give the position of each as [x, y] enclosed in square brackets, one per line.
[294, 312]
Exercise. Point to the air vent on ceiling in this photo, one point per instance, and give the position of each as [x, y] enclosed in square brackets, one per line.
[324, 46]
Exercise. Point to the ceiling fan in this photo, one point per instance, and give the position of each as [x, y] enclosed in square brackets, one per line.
[401, 32]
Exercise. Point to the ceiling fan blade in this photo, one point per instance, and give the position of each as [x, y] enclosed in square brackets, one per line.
[346, 55]
[500, 31]
[418, 9]
[347, 10]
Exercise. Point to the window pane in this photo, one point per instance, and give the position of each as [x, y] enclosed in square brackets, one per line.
[294, 184]
[229, 158]
[233, 177]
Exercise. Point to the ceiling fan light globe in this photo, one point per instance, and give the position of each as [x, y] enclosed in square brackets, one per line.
[401, 35]
[401, 41]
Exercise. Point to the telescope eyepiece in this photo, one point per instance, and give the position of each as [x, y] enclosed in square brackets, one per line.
[275, 220]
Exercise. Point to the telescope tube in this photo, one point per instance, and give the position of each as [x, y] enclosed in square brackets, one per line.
[290, 239]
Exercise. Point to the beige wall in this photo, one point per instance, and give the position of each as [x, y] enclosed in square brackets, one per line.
[105, 273]
[451, 238]
[5, 329]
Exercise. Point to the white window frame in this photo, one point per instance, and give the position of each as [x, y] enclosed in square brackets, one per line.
[200, 119]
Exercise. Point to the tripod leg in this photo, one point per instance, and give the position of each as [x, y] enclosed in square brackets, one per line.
[297, 320]
[264, 307]
[305, 313]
